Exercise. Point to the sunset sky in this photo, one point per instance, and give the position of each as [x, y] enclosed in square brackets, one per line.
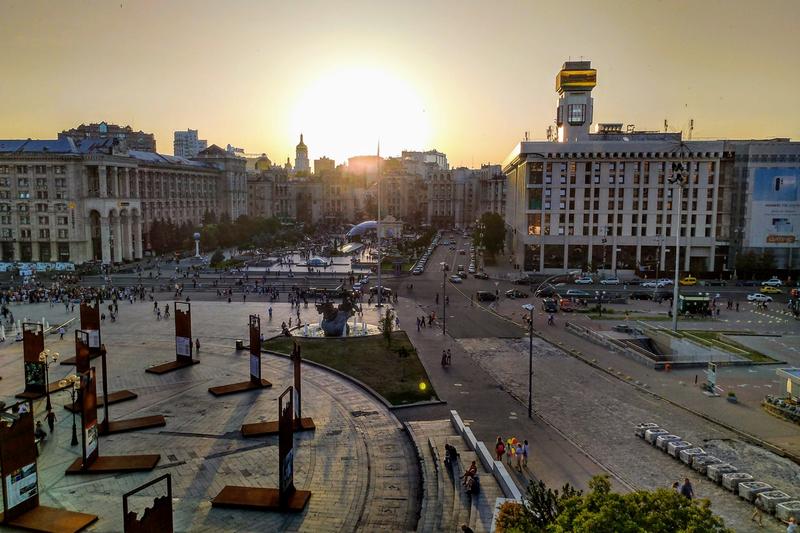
[467, 78]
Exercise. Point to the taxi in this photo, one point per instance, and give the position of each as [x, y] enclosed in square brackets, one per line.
[767, 289]
[688, 280]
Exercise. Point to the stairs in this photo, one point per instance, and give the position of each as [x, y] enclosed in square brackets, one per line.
[445, 505]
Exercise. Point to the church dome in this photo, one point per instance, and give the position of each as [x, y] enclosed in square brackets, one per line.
[263, 163]
[301, 147]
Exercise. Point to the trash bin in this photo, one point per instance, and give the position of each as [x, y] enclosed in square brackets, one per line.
[239, 345]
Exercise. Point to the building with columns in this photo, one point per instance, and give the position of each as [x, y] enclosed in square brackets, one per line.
[62, 200]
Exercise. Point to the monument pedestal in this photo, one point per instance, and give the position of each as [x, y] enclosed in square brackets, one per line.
[114, 464]
[264, 429]
[114, 397]
[260, 499]
[234, 388]
[132, 424]
[51, 520]
[171, 366]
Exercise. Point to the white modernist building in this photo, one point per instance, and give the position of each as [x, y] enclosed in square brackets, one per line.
[186, 144]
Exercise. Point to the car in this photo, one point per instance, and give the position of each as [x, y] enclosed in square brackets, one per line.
[715, 283]
[688, 281]
[641, 295]
[385, 290]
[522, 280]
[633, 281]
[609, 281]
[585, 280]
[471, 270]
[417, 271]
[516, 293]
[665, 281]
[565, 305]
[481, 275]
[577, 293]
[657, 284]
[455, 279]
[546, 292]
[485, 296]
[758, 297]
[549, 305]
[769, 289]
[462, 252]
[772, 282]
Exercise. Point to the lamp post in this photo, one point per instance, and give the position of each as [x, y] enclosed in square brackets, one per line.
[529, 308]
[47, 357]
[445, 268]
[380, 257]
[679, 178]
[600, 296]
[74, 387]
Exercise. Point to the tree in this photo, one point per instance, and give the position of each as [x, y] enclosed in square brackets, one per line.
[217, 258]
[387, 323]
[492, 234]
[660, 511]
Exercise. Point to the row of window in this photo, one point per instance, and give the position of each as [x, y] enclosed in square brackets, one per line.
[43, 220]
[25, 233]
[41, 183]
[37, 169]
[40, 208]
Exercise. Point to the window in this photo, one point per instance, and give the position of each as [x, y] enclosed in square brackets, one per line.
[576, 114]
[7, 233]
[62, 221]
[41, 183]
[23, 195]
[60, 169]
[61, 183]
[5, 219]
[41, 195]
[562, 192]
[22, 169]
[4, 182]
[23, 183]
[41, 208]
[63, 234]
[23, 208]
[61, 208]
[24, 233]
[44, 233]
[40, 169]
[44, 221]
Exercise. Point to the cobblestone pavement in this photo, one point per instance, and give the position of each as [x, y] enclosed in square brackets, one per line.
[359, 464]
[599, 412]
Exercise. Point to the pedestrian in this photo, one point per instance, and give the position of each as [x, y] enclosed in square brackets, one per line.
[792, 527]
[449, 357]
[39, 432]
[444, 358]
[499, 449]
[525, 452]
[197, 345]
[51, 419]
[676, 487]
[757, 516]
[270, 312]
[417, 323]
[61, 332]
[737, 307]
[518, 454]
[686, 489]
[510, 449]
[437, 298]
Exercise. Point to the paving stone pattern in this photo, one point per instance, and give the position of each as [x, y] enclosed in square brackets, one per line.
[359, 464]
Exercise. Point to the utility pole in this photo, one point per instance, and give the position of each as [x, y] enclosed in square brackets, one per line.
[380, 257]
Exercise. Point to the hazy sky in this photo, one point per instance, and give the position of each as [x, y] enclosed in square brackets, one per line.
[467, 78]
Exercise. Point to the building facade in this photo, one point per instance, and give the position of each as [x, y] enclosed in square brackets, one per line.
[95, 200]
[186, 144]
[135, 140]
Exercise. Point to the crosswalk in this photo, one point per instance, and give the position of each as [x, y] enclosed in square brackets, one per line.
[777, 316]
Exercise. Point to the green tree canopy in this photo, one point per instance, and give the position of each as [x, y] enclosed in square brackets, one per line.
[492, 233]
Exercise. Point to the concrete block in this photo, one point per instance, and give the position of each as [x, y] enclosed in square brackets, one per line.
[469, 437]
[663, 440]
[769, 500]
[689, 454]
[641, 428]
[700, 464]
[676, 446]
[784, 511]
[714, 472]
[651, 434]
[510, 489]
[731, 481]
[485, 456]
[750, 489]
[458, 424]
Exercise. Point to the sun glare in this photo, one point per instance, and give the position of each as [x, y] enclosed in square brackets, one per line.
[345, 112]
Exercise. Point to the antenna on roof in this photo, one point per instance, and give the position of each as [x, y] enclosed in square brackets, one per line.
[691, 127]
[666, 126]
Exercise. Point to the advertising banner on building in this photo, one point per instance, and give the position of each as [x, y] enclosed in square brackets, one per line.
[775, 208]
[255, 348]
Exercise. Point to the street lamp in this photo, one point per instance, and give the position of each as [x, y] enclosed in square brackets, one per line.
[47, 357]
[600, 296]
[445, 268]
[529, 308]
[73, 382]
[680, 177]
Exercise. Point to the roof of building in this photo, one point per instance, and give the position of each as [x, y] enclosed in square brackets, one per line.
[65, 146]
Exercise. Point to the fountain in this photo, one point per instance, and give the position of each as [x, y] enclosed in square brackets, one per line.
[335, 321]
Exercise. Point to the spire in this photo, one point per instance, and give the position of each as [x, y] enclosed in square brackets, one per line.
[301, 138]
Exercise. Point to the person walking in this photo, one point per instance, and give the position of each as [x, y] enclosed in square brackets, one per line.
[61, 332]
[792, 527]
[686, 489]
[510, 449]
[499, 449]
[449, 357]
[757, 516]
[51, 420]
[525, 452]
[518, 455]
[197, 345]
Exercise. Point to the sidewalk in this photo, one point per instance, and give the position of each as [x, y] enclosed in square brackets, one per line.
[490, 410]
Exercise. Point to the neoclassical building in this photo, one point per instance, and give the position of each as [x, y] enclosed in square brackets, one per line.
[62, 200]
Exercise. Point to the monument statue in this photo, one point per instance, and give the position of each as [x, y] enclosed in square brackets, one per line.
[334, 319]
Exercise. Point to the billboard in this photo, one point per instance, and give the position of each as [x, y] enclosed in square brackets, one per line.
[775, 207]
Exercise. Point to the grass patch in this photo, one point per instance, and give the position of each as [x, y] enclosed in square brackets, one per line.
[713, 338]
[371, 361]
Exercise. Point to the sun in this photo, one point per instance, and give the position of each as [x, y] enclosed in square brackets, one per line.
[345, 112]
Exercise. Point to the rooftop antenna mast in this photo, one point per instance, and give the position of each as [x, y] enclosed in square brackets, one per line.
[691, 127]
[666, 126]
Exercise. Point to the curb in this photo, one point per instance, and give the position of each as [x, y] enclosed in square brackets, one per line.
[360, 384]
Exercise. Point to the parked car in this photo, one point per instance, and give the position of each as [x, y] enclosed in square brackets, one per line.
[485, 296]
[565, 304]
[516, 293]
[585, 280]
[769, 289]
[633, 281]
[522, 280]
[665, 281]
[657, 284]
[641, 295]
[455, 279]
[758, 297]
[417, 271]
[609, 281]
[688, 281]
[385, 290]
[577, 293]
[481, 275]
[715, 283]
[546, 292]
[549, 305]
[772, 282]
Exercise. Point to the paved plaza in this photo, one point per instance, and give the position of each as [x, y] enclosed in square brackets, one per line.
[359, 464]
